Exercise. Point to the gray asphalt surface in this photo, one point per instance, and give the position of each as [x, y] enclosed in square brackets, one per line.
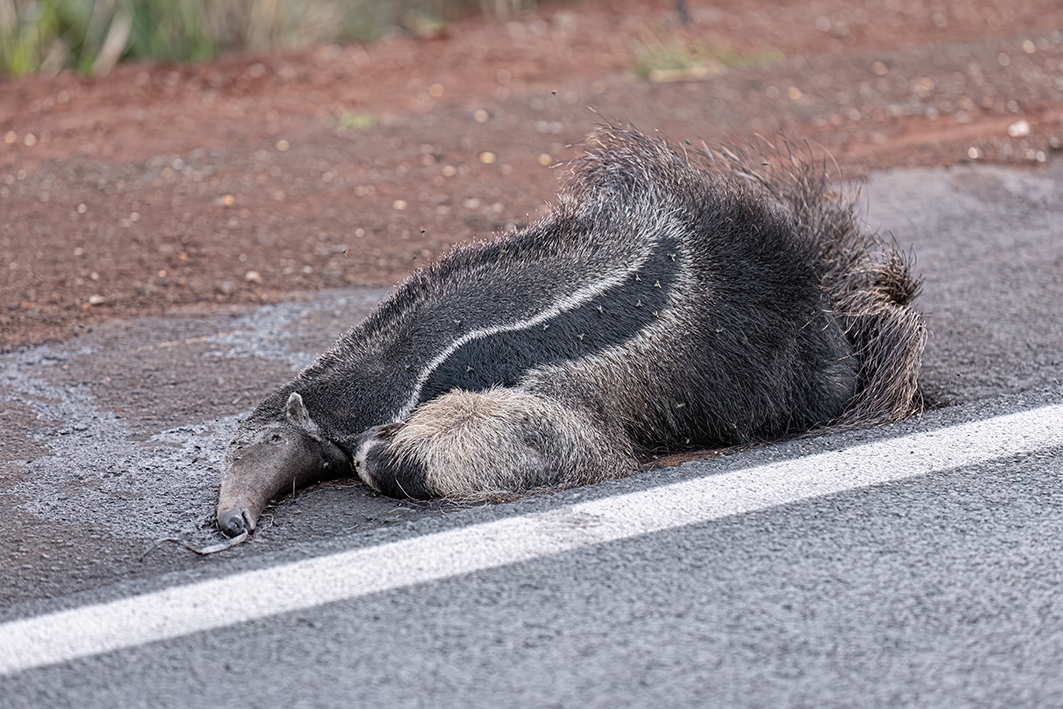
[940, 592]
[937, 591]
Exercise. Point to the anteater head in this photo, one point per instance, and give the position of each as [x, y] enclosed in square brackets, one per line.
[270, 455]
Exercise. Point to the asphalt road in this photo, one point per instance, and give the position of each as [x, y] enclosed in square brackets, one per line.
[928, 583]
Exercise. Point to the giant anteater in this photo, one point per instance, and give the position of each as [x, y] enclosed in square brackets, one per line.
[669, 300]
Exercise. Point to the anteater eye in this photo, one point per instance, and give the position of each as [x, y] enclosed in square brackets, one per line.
[275, 438]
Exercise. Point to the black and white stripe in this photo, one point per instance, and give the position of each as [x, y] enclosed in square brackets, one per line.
[603, 315]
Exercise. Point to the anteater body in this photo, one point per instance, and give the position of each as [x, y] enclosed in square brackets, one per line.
[666, 302]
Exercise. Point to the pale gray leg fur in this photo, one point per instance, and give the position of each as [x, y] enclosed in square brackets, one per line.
[474, 445]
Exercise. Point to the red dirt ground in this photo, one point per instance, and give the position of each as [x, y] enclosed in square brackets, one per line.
[164, 188]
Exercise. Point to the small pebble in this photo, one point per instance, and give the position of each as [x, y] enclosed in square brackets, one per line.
[1019, 129]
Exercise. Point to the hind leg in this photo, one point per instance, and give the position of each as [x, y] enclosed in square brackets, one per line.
[465, 445]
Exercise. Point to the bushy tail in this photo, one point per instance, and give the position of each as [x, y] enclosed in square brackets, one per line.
[866, 277]
[888, 336]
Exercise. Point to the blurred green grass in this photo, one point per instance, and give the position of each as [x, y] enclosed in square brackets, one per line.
[680, 55]
[47, 36]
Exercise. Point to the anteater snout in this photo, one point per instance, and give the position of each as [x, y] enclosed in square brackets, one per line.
[235, 522]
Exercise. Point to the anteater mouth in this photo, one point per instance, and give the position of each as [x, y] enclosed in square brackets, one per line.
[235, 522]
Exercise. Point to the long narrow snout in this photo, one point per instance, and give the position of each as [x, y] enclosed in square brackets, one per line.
[249, 482]
[269, 461]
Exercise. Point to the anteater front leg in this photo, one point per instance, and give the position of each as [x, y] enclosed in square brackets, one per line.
[464, 445]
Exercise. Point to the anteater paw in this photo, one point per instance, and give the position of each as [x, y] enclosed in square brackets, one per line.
[382, 465]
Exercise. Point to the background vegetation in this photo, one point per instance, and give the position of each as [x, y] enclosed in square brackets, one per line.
[47, 36]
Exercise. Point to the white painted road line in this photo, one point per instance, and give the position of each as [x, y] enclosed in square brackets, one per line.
[174, 612]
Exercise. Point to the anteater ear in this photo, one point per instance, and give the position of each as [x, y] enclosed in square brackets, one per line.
[298, 416]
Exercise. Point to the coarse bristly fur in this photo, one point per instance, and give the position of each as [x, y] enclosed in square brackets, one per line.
[668, 301]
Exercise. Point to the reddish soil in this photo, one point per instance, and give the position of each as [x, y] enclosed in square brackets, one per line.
[241, 180]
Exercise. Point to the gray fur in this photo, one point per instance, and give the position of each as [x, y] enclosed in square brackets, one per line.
[668, 301]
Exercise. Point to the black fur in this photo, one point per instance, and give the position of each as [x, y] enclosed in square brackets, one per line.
[392, 474]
